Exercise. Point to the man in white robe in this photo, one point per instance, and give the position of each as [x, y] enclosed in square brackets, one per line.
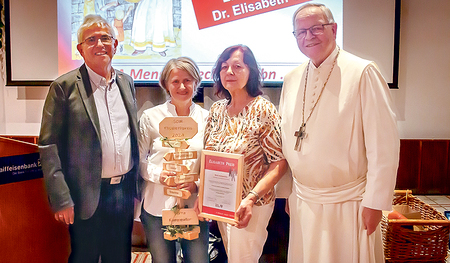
[345, 164]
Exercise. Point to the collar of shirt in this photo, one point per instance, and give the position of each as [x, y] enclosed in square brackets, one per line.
[173, 109]
[327, 62]
[98, 81]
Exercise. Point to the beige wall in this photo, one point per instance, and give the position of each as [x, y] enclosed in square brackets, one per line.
[422, 100]
[22, 107]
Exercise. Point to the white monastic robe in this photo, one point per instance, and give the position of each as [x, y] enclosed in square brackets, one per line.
[347, 161]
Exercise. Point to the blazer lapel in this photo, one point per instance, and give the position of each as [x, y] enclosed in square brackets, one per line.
[84, 86]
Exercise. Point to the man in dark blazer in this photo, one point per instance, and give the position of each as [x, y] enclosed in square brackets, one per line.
[89, 152]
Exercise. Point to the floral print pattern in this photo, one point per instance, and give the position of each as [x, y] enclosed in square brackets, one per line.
[254, 133]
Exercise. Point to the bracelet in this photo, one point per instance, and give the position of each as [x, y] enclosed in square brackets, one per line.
[255, 194]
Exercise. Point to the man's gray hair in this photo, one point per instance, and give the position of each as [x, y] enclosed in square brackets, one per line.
[91, 20]
[324, 9]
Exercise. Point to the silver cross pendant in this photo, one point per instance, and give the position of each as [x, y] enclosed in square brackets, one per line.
[300, 134]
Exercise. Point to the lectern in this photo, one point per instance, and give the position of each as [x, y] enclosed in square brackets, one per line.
[28, 230]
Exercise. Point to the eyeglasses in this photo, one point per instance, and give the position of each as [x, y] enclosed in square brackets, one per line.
[315, 30]
[105, 39]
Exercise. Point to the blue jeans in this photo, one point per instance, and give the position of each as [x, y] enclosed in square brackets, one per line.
[164, 251]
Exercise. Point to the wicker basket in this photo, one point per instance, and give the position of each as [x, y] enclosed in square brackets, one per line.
[402, 244]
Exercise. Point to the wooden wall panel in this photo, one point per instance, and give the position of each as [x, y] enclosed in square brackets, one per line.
[447, 177]
[423, 167]
[409, 165]
[434, 167]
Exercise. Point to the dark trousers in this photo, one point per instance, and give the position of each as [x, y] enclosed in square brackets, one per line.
[107, 234]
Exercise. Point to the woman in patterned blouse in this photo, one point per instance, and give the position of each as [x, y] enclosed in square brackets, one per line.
[246, 123]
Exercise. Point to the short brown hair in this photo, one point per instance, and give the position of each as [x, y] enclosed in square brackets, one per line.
[183, 63]
[254, 84]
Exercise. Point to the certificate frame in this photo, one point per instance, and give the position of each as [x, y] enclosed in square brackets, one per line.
[220, 192]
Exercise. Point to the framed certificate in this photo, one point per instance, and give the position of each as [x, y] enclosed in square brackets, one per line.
[220, 185]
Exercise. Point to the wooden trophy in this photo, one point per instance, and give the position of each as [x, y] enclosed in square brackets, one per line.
[180, 222]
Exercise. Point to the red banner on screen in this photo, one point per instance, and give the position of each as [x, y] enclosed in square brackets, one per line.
[215, 12]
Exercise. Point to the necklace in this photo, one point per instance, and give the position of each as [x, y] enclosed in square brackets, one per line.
[301, 134]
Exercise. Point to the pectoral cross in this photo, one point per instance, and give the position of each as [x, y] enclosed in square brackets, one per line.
[300, 134]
